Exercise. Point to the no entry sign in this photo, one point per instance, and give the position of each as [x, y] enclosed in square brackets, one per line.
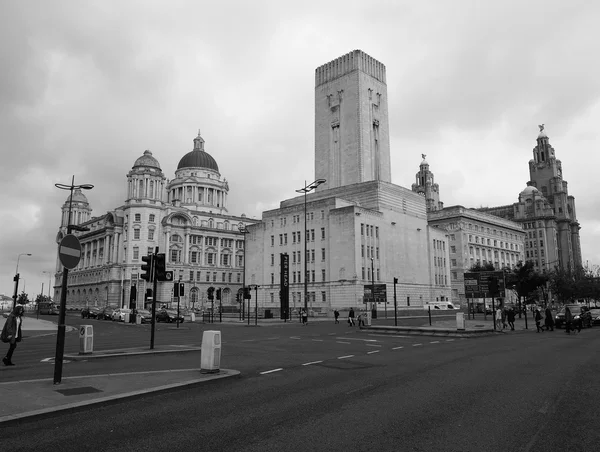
[69, 251]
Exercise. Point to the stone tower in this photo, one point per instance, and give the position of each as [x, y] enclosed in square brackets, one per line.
[352, 142]
[426, 187]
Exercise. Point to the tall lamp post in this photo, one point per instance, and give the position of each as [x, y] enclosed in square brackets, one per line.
[245, 231]
[306, 189]
[60, 336]
[372, 283]
[16, 278]
[49, 282]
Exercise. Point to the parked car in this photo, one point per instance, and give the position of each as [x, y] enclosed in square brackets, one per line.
[581, 316]
[118, 314]
[105, 313]
[168, 315]
[595, 313]
[89, 313]
[145, 314]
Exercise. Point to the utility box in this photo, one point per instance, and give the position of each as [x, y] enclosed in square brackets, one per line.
[126, 317]
[86, 339]
[138, 319]
[368, 318]
[460, 320]
[193, 317]
[210, 354]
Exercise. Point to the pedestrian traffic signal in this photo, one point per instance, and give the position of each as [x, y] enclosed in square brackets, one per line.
[159, 267]
[247, 295]
[219, 294]
[210, 292]
[176, 289]
[147, 267]
[181, 291]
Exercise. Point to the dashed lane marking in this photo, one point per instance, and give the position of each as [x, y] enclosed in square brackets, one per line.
[295, 337]
[340, 342]
[318, 340]
[416, 345]
[347, 356]
[373, 345]
[312, 362]
[357, 339]
[271, 371]
[397, 348]
[388, 335]
[434, 342]
[247, 340]
[374, 351]
[449, 340]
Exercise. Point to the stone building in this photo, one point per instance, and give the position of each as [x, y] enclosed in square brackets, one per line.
[186, 218]
[362, 231]
[546, 212]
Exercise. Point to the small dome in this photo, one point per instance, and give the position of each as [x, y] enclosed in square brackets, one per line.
[198, 158]
[78, 196]
[147, 160]
[542, 135]
[529, 190]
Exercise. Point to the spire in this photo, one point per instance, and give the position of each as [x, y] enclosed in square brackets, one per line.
[198, 142]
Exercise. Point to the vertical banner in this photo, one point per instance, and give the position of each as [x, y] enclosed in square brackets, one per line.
[284, 291]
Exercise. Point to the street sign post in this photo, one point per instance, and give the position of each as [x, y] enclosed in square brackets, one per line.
[69, 251]
[480, 284]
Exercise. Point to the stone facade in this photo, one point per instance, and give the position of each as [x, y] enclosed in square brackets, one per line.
[186, 218]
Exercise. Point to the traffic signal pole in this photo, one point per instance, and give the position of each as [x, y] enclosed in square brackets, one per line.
[154, 288]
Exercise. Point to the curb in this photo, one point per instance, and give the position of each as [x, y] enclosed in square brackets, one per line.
[124, 353]
[416, 331]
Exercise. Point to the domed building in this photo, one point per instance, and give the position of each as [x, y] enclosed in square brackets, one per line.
[185, 218]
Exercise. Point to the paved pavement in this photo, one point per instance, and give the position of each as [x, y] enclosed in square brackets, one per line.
[29, 398]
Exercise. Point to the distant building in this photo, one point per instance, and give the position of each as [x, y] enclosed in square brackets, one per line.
[186, 218]
[362, 230]
[547, 212]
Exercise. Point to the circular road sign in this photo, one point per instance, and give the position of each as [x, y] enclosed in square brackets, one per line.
[69, 251]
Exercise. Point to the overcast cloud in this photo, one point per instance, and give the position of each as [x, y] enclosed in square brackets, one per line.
[87, 86]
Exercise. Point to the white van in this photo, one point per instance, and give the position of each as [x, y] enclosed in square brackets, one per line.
[443, 305]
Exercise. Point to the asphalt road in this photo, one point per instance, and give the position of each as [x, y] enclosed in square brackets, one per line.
[330, 387]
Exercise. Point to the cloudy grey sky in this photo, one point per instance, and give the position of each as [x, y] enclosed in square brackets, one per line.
[87, 86]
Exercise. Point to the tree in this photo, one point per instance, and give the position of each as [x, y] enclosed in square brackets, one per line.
[562, 283]
[525, 281]
[22, 298]
[477, 267]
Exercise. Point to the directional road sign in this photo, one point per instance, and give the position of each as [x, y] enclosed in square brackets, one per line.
[69, 251]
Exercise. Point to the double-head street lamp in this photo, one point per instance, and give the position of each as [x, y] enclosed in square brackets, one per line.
[307, 188]
[60, 337]
[16, 278]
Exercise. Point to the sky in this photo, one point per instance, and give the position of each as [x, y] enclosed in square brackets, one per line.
[87, 86]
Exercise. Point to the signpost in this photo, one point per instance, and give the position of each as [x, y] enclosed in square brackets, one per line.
[484, 284]
[69, 251]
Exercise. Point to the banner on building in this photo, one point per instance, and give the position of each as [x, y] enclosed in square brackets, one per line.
[284, 285]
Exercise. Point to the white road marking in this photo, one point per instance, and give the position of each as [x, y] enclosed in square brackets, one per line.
[340, 342]
[272, 338]
[416, 345]
[434, 342]
[347, 356]
[374, 351]
[271, 371]
[449, 340]
[313, 362]
[45, 360]
[387, 335]
[318, 340]
[396, 348]
[357, 339]
[294, 337]
[247, 340]
[373, 345]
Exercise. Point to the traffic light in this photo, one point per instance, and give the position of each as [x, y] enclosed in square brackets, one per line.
[176, 289]
[219, 294]
[210, 292]
[395, 280]
[181, 291]
[147, 267]
[159, 267]
[247, 295]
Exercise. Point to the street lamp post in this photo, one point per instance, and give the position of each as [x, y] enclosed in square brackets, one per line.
[60, 336]
[16, 279]
[49, 282]
[245, 231]
[372, 283]
[306, 189]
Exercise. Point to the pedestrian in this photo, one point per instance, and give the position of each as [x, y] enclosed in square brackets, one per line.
[336, 314]
[503, 318]
[538, 320]
[499, 318]
[511, 318]
[351, 317]
[568, 320]
[11, 333]
[304, 317]
[549, 320]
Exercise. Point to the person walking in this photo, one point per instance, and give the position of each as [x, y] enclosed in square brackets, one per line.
[568, 320]
[549, 320]
[499, 318]
[11, 333]
[304, 317]
[336, 314]
[510, 316]
[503, 318]
[351, 317]
[538, 320]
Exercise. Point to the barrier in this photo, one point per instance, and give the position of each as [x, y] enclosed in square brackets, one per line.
[210, 354]
[86, 339]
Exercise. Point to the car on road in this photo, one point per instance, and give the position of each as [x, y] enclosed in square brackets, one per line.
[89, 313]
[145, 314]
[118, 314]
[581, 316]
[168, 315]
[105, 313]
[595, 313]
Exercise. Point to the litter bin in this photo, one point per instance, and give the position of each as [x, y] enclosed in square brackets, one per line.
[138, 319]
[126, 317]
[210, 353]
[460, 320]
[86, 339]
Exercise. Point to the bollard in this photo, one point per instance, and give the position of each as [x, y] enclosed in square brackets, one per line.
[86, 339]
[210, 354]
[460, 321]
[126, 317]
[193, 317]
[138, 319]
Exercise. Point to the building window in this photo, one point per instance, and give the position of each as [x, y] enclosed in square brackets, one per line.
[453, 249]
[312, 253]
[272, 260]
[136, 253]
[363, 273]
[207, 276]
[191, 275]
[272, 298]
[322, 254]
[362, 251]
[312, 272]
[272, 278]
[272, 240]
[362, 229]
[223, 277]
[285, 239]
[151, 218]
[138, 217]
[136, 233]
[194, 257]
[150, 234]
[210, 258]
[324, 297]
[323, 275]
[239, 277]
[175, 255]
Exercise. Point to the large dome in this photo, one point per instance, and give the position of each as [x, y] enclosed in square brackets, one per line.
[529, 190]
[198, 158]
[147, 160]
[78, 196]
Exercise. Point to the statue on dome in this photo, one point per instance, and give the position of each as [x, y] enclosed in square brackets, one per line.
[423, 155]
[541, 126]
